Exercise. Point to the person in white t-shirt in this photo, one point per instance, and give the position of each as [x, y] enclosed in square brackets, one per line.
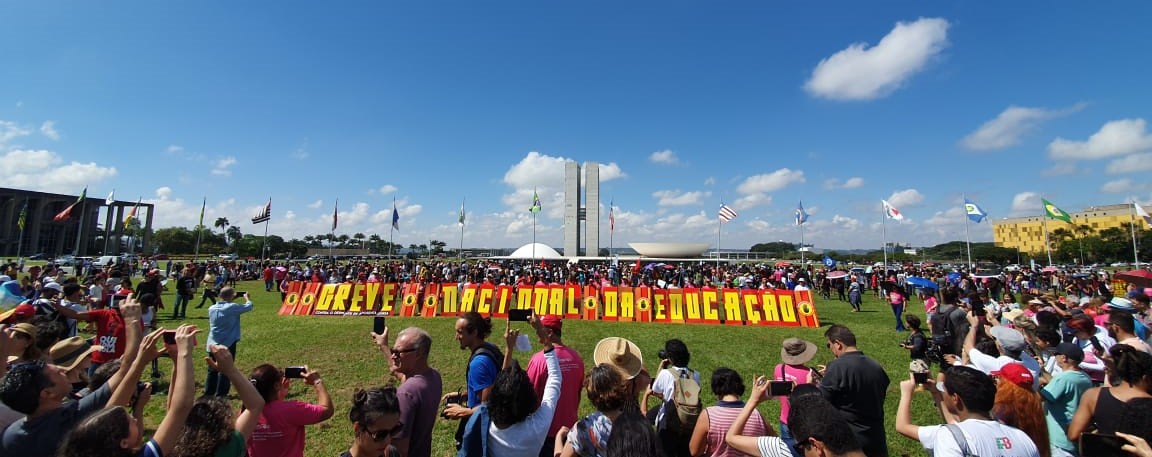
[965, 398]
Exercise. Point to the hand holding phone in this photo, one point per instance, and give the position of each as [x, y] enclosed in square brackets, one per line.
[519, 315]
[780, 388]
[295, 372]
[378, 325]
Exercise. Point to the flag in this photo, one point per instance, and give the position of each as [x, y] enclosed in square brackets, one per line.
[264, 215]
[202, 205]
[395, 217]
[611, 216]
[801, 216]
[108, 201]
[974, 211]
[132, 213]
[828, 262]
[1055, 213]
[636, 268]
[726, 213]
[1140, 211]
[23, 216]
[461, 220]
[535, 208]
[891, 212]
[67, 213]
[335, 214]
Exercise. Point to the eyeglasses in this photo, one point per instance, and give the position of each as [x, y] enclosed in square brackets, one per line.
[400, 352]
[381, 435]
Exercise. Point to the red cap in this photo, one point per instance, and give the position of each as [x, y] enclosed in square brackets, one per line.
[551, 321]
[1016, 374]
[22, 311]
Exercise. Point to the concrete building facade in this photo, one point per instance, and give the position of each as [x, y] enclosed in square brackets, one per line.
[1027, 233]
[581, 209]
[41, 234]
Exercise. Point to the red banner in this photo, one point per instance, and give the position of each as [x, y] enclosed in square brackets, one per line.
[617, 304]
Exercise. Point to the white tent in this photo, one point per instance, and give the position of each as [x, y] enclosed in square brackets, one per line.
[542, 251]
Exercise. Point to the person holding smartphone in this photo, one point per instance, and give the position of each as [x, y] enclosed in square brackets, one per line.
[224, 330]
[280, 429]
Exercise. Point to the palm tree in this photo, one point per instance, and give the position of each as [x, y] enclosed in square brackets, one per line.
[222, 224]
[359, 239]
[234, 234]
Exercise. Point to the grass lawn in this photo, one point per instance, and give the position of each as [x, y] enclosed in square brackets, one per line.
[340, 349]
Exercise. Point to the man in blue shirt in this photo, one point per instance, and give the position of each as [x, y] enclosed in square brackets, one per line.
[224, 329]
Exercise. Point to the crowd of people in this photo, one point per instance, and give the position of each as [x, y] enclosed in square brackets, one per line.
[1028, 365]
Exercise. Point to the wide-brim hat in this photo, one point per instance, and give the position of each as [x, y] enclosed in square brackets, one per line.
[1011, 315]
[795, 351]
[69, 352]
[621, 354]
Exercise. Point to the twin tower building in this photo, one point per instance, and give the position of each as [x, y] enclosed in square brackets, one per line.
[581, 209]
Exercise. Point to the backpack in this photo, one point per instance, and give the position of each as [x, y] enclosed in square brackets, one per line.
[492, 352]
[684, 405]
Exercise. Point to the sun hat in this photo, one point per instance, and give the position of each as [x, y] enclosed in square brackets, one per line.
[1070, 350]
[53, 286]
[795, 351]
[552, 322]
[621, 354]
[25, 328]
[1011, 340]
[1015, 373]
[69, 352]
[1011, 315]
[1122, 304]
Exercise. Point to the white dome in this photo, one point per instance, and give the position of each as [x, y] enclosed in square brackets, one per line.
[542, 251]
[670, 250]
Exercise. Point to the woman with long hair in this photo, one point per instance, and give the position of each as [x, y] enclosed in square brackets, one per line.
[280, 428]
[21, 344]
[375, 417]
[607, 392]
[1019, 406]
[1101, 406]
[633, 436]
[213, 429]
[113, 432]
[708, 436]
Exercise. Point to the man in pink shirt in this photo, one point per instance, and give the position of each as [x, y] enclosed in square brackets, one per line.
[572, 369]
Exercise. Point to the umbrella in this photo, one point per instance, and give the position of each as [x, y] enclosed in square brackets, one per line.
[922, 282]
[1141, 278]
[1049, 269]
[783, 263]
[837, 274]
[281, 269]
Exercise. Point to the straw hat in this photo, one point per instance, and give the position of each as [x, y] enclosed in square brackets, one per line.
[69, 352]
[796, 351]
[621, 354]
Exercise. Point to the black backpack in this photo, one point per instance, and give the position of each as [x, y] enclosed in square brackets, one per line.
[487, 349]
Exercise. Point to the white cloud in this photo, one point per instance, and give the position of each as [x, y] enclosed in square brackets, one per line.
[678, 198]
[771, 182]
[1116, 138]
[709, 181]
[1010, 126]
[1060, 169]
[171, 211]
[1134, 163]
[46, 171]
[845, 222]
[174, 149]
[384, 190]
[10, 130]
[316, 204]
[301, 152]
[862, 73]
[223, 167]
[610, 171]
[751, 201]
[1026, 203]
[1123, 186]
[906, 197]
[48, 129]
[850, 183]
[666, 157]
[544, 175]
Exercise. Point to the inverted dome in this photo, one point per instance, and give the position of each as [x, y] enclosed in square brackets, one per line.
[675, 250]
[542, 251]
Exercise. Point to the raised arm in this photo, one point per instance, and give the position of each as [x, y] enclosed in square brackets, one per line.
[130, 312]
[249, 397]
[510, 336]
[747, 444]
[147, 352]
[181, 393]
[312, 378]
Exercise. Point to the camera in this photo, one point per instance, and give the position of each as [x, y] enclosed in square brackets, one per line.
[662, 354]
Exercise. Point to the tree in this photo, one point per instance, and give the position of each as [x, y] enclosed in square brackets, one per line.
[437, 246]
[359, 237]
[222, 224]
[234, 233]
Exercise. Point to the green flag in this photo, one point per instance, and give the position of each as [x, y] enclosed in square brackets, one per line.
[461, 220]
[1055, 213]
[202, 205]
[535, 203]
[23, 217]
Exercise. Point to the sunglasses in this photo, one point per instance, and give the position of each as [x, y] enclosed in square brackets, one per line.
[381, 435]
[400, 352]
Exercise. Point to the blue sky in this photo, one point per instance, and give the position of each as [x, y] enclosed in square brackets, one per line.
[684, 104]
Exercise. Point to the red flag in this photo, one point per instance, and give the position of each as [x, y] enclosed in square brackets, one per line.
[636, 269]
[542, 264]
[67, 213]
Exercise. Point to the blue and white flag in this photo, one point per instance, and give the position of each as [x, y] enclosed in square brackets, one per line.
[801, 216]
[974, 212]
[828, 262]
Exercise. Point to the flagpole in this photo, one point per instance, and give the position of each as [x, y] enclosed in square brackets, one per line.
[80, 228]
[719, 228]
[1132, 225]
[884, 235]
[264, 247]
[23, 223]
[461, 251]
[611, 226]
[967, 239]
[199, 230]
[803, 265]
[1047, 247]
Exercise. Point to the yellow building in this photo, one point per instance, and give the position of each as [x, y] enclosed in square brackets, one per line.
[1027, 233]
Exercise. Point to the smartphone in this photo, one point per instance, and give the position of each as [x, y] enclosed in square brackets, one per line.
[294, 372]
[241, 294]
[519, 315]
[169, 337]
[378, 325]
[114, 300]
[140, 387]
[779, 388]
[1101, 445]
[920, 378]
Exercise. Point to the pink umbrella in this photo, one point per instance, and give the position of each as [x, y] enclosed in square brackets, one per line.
[837, 274]
[1049, 269]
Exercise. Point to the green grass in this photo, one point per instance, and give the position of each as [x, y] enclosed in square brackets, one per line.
[340, 349]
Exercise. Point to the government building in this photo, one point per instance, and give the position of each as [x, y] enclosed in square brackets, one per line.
[1027, 233]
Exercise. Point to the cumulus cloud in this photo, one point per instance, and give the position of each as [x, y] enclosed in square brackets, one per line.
[771, 182]
[1134, 163]
[863, 73]
[751, 201]
[1060, 169]
[709, 181]
[10, 130]
[1115, 138]
[1010, 126]
[850, 183]
[666, 157]
[316, 204]
[48, 129]
[1123, 186]
[678, 198]
[46, 171]
[544, 175]
[1026, 203]
[174, 149]
[223, 166]
[906, 197]
[845, 222]
[172, 211]
[386, 189]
